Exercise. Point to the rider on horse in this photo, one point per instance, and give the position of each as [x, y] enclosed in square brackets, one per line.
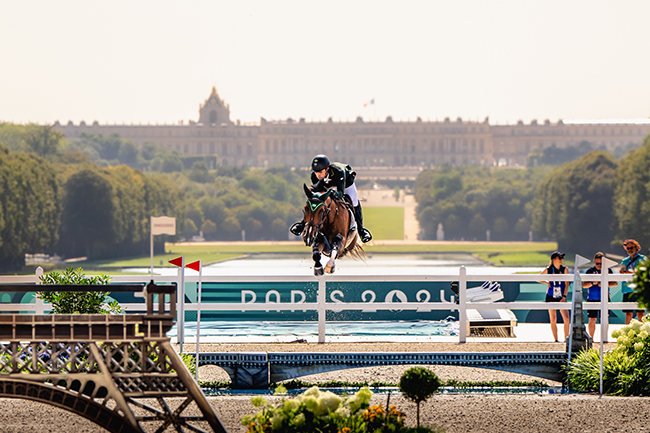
[340, 178]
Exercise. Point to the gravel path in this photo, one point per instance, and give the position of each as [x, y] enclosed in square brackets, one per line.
[456, 413]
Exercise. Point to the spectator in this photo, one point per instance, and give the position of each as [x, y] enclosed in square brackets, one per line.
[594, 292]
[557, 292]
[629, 267]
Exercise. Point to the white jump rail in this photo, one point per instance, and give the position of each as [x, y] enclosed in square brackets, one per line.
[321, 305]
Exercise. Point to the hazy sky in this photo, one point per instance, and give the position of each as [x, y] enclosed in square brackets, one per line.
[156, 61]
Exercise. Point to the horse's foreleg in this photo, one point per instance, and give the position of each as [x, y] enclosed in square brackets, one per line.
[318, 267]
[330, 267]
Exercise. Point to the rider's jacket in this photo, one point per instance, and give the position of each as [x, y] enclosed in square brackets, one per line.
[339, 176]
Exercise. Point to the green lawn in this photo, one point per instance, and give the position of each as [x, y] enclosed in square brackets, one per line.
[385, 223]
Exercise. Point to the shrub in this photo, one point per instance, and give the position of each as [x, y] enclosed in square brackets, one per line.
[641, 284]
[78, 302]
[325, 412]
[418, 384]
[626, 368]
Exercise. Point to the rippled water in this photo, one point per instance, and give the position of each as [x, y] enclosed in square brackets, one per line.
[303, 329]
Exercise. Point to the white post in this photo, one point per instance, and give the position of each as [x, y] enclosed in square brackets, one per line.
[462, 304]
[40, 305]
[198, 321]
[604, 311]
[321, 310]
[151, 243]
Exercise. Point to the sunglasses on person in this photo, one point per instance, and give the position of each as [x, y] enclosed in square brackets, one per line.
[598, 263]
[630, 248]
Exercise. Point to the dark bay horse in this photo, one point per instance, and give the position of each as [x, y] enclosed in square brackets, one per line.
[327, 230]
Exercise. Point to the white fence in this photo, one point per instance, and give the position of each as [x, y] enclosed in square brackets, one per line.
[335, 304]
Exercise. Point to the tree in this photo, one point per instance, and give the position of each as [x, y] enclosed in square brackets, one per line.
[478, 225]
[128, 154]
[189, 229]
[171, 163]
[522, 226]
[43, 140]
[418, 384]
[632, 196]
[209, 229]
[149, 150]
[231, 228]
[87, 222]
[500, 227]
[200, 173]
[573, 204]
[30, 207]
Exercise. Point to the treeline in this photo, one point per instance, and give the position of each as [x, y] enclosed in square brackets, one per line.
[469, 201]
[554, 155]
[590, 204]
[261, 203]
[105, 151]
[63, 202]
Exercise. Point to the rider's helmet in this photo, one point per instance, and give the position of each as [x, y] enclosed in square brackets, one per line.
[320, 162]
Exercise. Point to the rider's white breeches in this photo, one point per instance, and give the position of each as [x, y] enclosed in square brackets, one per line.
[352, 192]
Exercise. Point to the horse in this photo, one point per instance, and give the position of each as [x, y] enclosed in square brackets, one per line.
[327, 230]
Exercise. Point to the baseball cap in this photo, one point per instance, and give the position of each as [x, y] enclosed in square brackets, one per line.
[557, 254]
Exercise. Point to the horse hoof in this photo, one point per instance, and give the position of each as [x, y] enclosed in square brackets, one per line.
[318, 271]
[330, 269]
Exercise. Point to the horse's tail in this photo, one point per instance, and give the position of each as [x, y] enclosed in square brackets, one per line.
[356, 251]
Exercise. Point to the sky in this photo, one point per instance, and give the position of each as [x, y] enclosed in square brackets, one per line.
[156, 61]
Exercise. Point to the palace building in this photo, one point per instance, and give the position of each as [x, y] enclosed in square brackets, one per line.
[360, 143]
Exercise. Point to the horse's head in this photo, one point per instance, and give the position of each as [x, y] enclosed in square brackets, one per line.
[315, 214]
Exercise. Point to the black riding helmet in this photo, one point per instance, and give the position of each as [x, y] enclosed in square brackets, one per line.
[320, 162]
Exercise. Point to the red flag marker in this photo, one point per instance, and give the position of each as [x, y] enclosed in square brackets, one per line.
[177, 262]
[195, 265]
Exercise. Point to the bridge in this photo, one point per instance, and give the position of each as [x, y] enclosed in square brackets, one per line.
[259, 369]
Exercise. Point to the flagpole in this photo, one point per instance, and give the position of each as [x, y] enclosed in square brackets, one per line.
[181, 324]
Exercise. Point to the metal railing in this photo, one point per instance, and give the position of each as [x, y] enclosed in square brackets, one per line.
[321, 306]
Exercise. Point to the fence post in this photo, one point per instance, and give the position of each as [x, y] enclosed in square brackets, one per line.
[40, 305]
[321, 310]
[462, 304]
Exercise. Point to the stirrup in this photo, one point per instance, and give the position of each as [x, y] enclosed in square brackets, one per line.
[365, 235]
[297, 228]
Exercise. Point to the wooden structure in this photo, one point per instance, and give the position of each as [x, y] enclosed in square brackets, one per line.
[118, 371]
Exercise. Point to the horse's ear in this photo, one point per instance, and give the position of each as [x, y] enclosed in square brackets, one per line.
[308, 192]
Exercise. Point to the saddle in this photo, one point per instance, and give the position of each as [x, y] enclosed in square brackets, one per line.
[350, 207]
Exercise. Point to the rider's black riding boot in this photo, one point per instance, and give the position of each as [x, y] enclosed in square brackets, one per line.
[297, 228]
[363, 232]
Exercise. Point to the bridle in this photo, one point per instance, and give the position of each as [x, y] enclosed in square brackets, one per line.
[323, 219]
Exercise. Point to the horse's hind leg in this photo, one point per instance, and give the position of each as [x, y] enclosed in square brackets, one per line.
[318, 267]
